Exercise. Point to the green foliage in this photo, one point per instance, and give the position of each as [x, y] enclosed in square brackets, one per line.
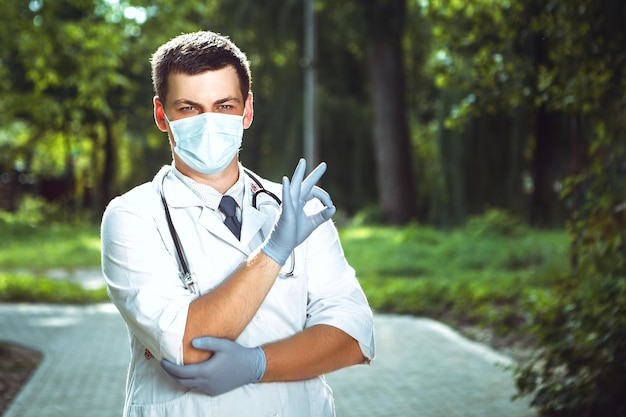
[562, 55]
[460, 277]
[77, 74]
[580, 367]
[453, 275]
[26, 288]
[372, 215]
[32, 241]
[495, 222]
[34, 211]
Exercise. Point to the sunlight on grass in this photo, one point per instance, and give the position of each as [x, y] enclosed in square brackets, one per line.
[461, 275]
[456, 274]
[51, 246]
[29, 288]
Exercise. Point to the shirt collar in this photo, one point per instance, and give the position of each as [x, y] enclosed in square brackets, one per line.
[209, 196]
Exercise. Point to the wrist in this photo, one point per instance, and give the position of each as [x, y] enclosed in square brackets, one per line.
[261, 364]
[275, 252]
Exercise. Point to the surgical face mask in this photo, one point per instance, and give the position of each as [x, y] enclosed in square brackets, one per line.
[209, 141]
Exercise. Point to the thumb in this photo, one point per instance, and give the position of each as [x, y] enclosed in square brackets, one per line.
[213, 344]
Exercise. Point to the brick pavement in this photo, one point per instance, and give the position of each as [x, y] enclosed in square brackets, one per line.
[422, 368]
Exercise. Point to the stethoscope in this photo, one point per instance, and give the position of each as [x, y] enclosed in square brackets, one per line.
[260, 190]
[185, 275]
[274, 199]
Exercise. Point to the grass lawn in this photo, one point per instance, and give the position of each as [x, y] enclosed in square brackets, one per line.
[471, 276]
[461, 276]
[27, 252]
[41, 247]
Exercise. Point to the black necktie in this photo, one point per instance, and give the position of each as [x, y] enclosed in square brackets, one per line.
[228, 206]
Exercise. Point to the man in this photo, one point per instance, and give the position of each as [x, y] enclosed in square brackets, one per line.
[241, 305]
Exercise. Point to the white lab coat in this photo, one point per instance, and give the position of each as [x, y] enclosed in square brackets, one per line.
[142, 274]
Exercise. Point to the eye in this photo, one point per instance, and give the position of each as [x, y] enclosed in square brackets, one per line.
[188, 109]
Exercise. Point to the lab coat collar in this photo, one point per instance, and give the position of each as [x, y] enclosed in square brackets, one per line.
[179, 196]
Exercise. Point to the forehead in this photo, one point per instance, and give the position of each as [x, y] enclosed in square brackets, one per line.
[205, 87]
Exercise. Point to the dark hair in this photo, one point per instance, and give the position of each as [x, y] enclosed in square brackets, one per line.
[195, 53]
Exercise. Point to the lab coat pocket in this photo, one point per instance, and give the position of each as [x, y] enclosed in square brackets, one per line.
[184, 405]
[321, 395]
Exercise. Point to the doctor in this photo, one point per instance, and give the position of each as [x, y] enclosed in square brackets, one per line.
[244, 302]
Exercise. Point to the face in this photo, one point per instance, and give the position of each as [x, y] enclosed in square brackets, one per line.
[211, 91]
[190, 95]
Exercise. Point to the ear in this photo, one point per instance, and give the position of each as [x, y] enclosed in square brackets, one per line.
[159, 114]
[248, 111]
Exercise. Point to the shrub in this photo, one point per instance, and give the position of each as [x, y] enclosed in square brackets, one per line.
[580, 366]
[494, 222]
[25, 288]
[581, 370]
[371, 215]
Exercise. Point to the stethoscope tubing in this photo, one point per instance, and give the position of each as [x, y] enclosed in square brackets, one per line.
[263, 190]
[185, 275]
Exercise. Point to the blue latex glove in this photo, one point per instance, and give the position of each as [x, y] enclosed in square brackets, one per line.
[230, 367]
[294, 225]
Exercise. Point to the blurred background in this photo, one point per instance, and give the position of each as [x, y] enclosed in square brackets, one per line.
[476, 153]
[424, 110]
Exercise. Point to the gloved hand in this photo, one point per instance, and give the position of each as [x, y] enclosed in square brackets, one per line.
[294, 225]
[230, 367]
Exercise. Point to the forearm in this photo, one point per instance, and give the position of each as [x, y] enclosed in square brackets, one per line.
[226, 310]
[315, 351]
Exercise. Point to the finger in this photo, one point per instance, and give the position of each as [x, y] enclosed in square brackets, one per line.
[286, 193]
[321, 195]
[313, 178]
[298, 173]
[180, 371]
[328, 212]
[213, 344]
[322, 216]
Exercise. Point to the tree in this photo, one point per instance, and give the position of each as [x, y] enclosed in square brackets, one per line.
[272, 37]
[579, 366]
[385, 60]
[63, 61]
[370, 51]
[83, 69]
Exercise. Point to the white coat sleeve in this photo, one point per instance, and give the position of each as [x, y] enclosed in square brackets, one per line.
[142, 274]
[335, 295]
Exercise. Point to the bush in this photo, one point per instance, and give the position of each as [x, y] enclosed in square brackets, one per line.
[24, 288]
[580, 367]
[494, 222]
[454, 276]
[37, 247]
[371, 215]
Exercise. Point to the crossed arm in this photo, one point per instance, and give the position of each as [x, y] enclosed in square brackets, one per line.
[226, 310]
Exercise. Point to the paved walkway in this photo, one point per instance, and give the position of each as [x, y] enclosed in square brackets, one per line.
[423, 368]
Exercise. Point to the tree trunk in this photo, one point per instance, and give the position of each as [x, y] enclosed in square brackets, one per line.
[546, 208]
[108, 170]
[396, 184]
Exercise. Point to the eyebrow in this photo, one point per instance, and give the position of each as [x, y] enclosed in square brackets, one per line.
[194, 103]
[226, 99]
[185, 101]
